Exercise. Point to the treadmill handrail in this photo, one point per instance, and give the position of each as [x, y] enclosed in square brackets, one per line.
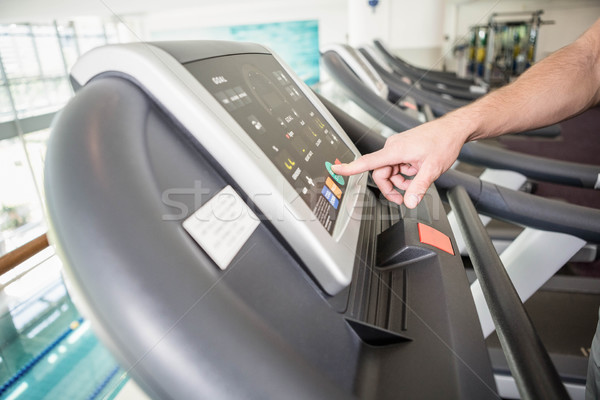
[450, 91]
[489, 199]
[534, 167]
[526, 209]
[422, 74]
[366, 98]
[438, 103]
[544, 169]
[527, 357]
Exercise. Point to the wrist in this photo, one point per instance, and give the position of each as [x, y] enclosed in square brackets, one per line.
[465, 124]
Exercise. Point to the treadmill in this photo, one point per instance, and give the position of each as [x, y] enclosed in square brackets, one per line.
[439, 103]
[191, 198]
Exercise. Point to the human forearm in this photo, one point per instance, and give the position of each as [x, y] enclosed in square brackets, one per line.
[562, 85]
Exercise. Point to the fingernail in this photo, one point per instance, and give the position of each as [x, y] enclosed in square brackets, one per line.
[335, 166]
[411, 200]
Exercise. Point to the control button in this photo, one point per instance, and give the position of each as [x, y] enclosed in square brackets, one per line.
[256, 124]
[409, 105]
[242, 95]
[296, 173]
[435, 238]
[293, 93]
[281, 78]
[333, 187]
[308, 156]
[289, 164]
[234, 99]
[225, 101]
[330, 197]
[338, 178]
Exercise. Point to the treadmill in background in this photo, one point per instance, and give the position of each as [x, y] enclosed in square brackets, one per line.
[383, 61]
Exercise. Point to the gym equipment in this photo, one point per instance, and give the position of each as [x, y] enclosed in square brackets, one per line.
[212, 268]
[400, 86]
[419, 77]
[435, 78]
[508, 44]
[439, 104]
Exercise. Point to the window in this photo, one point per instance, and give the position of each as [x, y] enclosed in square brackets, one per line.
[34, 85]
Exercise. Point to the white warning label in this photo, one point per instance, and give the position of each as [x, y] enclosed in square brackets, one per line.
[222, 226]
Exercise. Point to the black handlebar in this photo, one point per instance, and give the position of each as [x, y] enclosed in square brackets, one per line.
[422, 74]
[534, 167]
[528, 360]
[399, 88]
[391, 115]
[526, 209]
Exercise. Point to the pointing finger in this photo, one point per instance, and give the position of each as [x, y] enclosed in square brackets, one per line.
[367, 162]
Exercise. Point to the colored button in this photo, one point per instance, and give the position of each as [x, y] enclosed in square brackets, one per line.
[330, 197]
[334, 188]
[435, 238]
[338, 178]
[409, 105]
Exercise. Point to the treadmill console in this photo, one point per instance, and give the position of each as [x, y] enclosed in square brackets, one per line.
[264, 100]
[268, 132]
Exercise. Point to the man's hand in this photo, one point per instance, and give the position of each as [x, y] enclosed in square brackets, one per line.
[424, 152]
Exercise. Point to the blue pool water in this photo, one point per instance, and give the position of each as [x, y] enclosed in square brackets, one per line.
[54, 354]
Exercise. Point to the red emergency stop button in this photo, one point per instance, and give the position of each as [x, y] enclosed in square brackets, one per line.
[435, 238]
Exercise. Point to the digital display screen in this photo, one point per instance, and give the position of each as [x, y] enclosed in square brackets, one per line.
[263, 99]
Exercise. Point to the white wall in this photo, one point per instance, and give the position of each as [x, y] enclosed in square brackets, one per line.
[146, 16]
[412, 29]
[571, 22]
[331, 15]
[402, 24]
[416, 24]
[365, 23]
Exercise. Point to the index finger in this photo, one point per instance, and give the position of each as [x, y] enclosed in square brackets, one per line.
[364, 163]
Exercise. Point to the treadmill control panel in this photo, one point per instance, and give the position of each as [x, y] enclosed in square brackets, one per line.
[275, 141]
[264, 100]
